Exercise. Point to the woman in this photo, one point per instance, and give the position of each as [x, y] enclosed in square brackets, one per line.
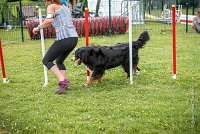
[196, 21]
[66, 40]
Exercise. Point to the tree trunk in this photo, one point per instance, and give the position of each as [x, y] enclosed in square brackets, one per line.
[74, 4]
[97, 8]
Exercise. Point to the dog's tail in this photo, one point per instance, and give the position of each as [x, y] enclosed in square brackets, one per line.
[144, 37]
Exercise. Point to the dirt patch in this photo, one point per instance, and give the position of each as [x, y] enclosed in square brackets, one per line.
[3, 131]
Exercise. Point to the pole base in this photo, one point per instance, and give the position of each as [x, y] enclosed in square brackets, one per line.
[131, 82]
[131, 79]
[174, 76]
[5, 81]
[45, 84]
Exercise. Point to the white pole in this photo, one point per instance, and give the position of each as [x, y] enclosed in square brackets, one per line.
[130, 45]
[193, 108]
[43, 48]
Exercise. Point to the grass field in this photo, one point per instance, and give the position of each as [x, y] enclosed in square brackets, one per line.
[155, 103]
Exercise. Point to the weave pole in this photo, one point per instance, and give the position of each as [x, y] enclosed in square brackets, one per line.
[174, 40]
[43, 47]
[2, 64]
[87, 36]
[130, 45]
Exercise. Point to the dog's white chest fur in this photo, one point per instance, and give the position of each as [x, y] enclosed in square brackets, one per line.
[88, 68]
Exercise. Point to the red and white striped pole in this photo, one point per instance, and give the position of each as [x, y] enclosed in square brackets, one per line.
[87, 36]
[174, 40]
[2, 64]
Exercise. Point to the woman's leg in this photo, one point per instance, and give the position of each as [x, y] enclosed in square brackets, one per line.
[69, 44]
[54, 69]
[59, 50]
[63, 72]
[52, 53]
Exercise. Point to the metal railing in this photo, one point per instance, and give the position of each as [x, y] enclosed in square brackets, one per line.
[13, 19]
[11, 28]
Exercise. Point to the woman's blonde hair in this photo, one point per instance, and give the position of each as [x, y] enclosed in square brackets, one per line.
[55, 1]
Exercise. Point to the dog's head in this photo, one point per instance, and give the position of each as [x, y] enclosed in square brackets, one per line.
[88, 55]
[79, 54]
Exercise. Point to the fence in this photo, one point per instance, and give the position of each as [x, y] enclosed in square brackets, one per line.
[147, 15]
[13, 22]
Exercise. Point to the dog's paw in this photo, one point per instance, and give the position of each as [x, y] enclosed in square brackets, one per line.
[89, 83]
[137, 72]
[99, 81]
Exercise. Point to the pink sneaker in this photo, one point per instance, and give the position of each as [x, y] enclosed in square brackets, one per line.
[62, 87]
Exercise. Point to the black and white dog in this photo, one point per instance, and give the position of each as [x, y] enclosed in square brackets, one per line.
[100, 58]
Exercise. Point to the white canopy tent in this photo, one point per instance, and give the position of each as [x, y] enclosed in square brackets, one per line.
[119, 8]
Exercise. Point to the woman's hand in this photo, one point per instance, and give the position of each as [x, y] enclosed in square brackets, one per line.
[35, 30]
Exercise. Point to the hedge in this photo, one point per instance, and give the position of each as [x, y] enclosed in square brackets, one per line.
[97, 26]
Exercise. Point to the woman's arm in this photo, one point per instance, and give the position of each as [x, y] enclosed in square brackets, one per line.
[198, 19]
[48, 20]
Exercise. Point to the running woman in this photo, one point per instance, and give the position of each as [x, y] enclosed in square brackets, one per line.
[66, 40]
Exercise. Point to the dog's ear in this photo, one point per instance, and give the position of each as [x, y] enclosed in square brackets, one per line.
[100, 58]
[99, 51]
[85, 55]
[93, 51]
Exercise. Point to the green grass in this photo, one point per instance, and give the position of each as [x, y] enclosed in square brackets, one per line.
[155, 103]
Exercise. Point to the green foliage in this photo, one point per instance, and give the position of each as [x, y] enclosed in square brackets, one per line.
[155, 103]
[190, 2]
[82, 1]
[12, 0]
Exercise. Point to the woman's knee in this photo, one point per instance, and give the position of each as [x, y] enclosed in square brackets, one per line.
[47, 63]
[61, 66]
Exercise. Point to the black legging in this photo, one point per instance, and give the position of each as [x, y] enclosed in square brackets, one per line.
[59, 51]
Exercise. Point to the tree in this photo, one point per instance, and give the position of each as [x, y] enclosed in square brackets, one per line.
[97, 8]
[190, 2]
